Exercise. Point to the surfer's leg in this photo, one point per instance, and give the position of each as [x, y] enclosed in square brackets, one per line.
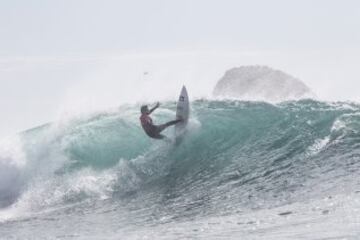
[173, 122]
[161, 127]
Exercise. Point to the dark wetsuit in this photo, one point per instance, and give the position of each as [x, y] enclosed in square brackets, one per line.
[154, 130]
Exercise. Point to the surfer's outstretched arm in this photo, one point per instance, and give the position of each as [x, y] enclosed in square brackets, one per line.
[153, 109]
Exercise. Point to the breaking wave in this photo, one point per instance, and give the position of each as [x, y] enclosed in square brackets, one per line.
[237, 157]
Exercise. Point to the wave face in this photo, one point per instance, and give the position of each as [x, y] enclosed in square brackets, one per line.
[242, 168]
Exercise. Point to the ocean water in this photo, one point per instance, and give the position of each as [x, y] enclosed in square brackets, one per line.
[245, 170]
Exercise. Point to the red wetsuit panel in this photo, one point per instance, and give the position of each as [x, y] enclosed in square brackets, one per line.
[145, 119]
[147, 124]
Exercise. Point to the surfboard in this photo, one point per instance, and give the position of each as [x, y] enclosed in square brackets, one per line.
[182, 112]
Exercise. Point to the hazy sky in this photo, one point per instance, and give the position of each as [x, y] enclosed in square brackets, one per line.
[86, 26]
[55, 55]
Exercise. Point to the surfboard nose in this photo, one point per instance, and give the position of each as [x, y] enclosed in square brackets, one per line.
[183, 90]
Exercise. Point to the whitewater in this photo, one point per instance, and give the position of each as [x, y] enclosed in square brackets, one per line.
[245, 170]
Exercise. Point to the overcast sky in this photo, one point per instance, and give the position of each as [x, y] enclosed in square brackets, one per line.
[55, 54]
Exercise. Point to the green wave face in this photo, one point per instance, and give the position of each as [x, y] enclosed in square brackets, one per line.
[248, 154]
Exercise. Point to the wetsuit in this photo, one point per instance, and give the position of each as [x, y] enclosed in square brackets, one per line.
[152, 130]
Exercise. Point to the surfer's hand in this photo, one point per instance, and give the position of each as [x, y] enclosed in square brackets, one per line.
[157, 105]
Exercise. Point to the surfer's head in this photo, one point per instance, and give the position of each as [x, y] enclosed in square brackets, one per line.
[144, 109]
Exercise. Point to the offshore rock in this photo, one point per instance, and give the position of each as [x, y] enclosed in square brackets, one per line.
[261, 83]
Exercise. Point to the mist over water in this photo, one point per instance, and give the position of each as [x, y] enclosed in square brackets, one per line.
[42, 89]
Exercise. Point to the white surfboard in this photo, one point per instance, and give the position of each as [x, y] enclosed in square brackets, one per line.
[182, 112]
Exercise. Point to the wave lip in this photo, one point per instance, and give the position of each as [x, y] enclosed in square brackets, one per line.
[12, 165]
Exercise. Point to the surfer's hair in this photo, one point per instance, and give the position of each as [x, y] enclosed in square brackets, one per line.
[144, 109]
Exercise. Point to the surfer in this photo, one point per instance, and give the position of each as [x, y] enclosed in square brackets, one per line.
[150, 129]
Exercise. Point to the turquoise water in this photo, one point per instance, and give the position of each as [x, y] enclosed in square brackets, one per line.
[245, 169]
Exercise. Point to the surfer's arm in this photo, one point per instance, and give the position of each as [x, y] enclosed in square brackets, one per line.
[153, 109]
